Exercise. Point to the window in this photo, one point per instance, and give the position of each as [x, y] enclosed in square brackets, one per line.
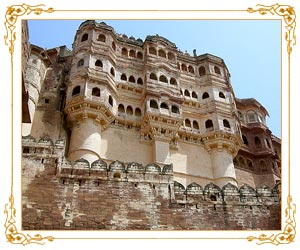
[96, 92]
[191, 69]
[194, 95]
[84, 37]
[183, 67]
[205, 95]
[163, 105]
[80, 63]
[242, 162]
[26, 150]
[113, 45]
[162, 78]
[186, 93]
[249, 164]
[245, 140]
[131, 79]
[195, 125]
[209, 125]
[76, 91]
[111, 101]
[221, 95]
[121, 108]
[140, 81]
[153, 76]
[123, 77]
[152, 51]
[268, 143]
[171, 56]
[112, 71]
[241, 117]
[187, 123]
[153, 104]
[138, 112]
[263, 166]
[251, 116]
[257, 142]
[175, 109]
[139, 55]
[217, 70]
[98, 63]
[101, 38]
[202, 71]
[226, 123]
[173, 81]
[132, 53]
[124, 52]
[47, 100]
[162, 53]
[129, 110]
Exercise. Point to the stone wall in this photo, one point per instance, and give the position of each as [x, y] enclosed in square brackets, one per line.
[118, 196]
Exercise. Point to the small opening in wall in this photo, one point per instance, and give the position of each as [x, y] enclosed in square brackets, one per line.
[46, 100]
[42, 160]
[26, 150]
[153, 186]
[213, 197]
[215, 207]
[63, 181]
[79, 182]
[117, 176]
[135, 185]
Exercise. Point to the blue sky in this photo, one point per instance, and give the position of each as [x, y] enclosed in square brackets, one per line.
[250, 49]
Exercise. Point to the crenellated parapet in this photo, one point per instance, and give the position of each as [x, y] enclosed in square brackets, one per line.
[115, 171]
[194, 193]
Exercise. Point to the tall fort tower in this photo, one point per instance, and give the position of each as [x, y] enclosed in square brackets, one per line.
[148, 102]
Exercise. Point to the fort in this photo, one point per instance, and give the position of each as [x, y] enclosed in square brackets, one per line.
[124, 134]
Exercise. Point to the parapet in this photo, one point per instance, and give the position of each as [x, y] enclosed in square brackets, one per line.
[116, 170]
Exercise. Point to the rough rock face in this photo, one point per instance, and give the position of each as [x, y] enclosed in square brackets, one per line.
[134, 197]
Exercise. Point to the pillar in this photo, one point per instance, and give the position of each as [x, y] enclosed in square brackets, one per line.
[85, 141]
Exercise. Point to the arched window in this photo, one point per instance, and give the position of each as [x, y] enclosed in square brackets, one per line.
[132, 53]
[242, 162]
[209, 125]
[205, 95]
[186, 93]
[152, 51]
[140, 55]
[98, 63]
[194, 95]
[221, 95]
[162, 78]
[202, 71]
[76, 90]
[140, 81]
[171, 56]
[113, 45]
[217, 70]
[173, 81]
[121, 108]
[96, 91]
[123, 77]
[138, 112]
[235, 162]
[245, 140]
[153, 76]
[111, 101]
[112, 71]
[183, 67]
[226, 123]
[195, 125]
[124, 52]
[187, 123]
[84, 37]
[268, 143]
[80, 63]
[191, 69]
[241, 117]
[129, 110]
[263, 166]
[163, 105]
[131, 79]
[162, 53]
[101, 38]
[257, 142]
[249, 164]
[175, 109]
[153, 104]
